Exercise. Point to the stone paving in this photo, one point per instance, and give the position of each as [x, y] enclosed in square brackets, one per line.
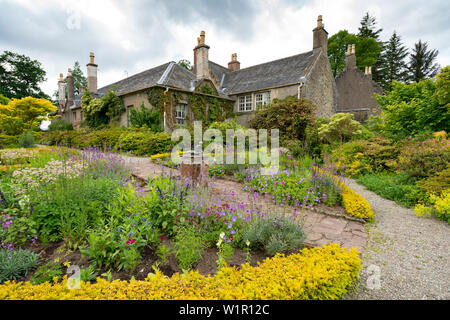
[320, 228]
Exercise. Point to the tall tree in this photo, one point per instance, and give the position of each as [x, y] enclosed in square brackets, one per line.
[369, 29]
[422, 62]
[395, 66]
[20, 76]
[367, 50]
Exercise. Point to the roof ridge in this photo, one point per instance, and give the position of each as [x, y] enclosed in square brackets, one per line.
[276, 60]
[136, 74]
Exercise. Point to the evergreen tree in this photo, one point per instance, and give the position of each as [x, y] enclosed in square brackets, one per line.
[369, 29]
[79, 80]
[394, 66]
[422, 62]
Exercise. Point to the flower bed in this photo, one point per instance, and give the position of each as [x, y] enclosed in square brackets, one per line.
[319, 273]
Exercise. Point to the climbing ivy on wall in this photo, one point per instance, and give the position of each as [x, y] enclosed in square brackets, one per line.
[205, 105]
[102, 110]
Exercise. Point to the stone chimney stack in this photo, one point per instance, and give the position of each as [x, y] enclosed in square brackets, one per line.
[201, 60]
[70, 88]
[61, 91]
[234, 64]
[92, 74]
[320, 36]
[350, 57]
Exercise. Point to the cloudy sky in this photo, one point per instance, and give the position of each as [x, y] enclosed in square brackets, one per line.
[130, 36]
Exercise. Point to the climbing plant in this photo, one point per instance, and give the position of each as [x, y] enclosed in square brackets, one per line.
[101, 111]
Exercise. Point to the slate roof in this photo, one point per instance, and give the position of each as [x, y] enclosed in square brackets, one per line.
[267, 75]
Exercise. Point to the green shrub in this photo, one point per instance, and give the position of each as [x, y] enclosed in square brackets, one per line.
[274, 235]
[425, 159]
[16, 264]
[189, 248]
[88, 274]
[47, 273]
[7, 141]
[340, 128]
[26, 140]
[163, 252]
[60, 125]
[436, 184]
[397, 187]
[290, 115]
[146, 117]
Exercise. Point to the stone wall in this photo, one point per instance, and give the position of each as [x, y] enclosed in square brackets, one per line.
[320, 87]
[356, 92]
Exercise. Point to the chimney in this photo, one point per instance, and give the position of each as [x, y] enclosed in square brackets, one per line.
[70, 88]
[201, 60]
[92, 74]
[350, 57]
[61, 91]
[320, 36]
[234, 64]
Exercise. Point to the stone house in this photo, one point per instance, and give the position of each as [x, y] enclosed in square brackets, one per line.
[356, 89]
[306, 75]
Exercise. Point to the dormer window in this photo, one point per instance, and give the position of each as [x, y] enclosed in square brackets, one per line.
[245, 103]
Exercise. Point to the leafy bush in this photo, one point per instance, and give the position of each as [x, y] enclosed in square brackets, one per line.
[425, 159]
[366, 156]
[145, 143]
[340, 128]
[355, 205]
[16, 264]
[322, 273]
[437, 205]
[26, 140]
[274, 235]
[290, 115]
[188, 248]
[101, 111]
[7, 141]
[409, 109]
[436, 184]
[47, 273]
[60, 125]
[398, 187]
[146, 117]
[88, 274]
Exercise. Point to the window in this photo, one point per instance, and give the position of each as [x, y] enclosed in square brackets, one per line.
[128, 114]
[262, 99]
[245, 103]
[74, 115]
[180, 113]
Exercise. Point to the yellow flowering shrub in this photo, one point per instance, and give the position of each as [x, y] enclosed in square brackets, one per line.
[318, 273]
[439, 205]
[354, 203]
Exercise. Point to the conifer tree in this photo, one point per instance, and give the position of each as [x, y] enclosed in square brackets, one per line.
[422, 62]
[394, 63]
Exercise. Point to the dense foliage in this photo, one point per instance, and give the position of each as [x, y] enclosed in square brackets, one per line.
[24, 114]
[146, 117]
[101, 111]
[290, 115]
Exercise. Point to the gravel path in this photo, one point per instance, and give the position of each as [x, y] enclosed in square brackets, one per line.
[412, 253]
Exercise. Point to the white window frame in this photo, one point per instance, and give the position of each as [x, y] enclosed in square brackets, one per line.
[180, 113]
[245, 103]
[262, 99]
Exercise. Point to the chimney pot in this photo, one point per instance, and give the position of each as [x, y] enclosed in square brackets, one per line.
[201, 60]
[92, 74]
[234, 64]
[320, 36]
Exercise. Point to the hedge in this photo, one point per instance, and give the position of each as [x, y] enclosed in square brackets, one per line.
[322, 273]
[139, 142]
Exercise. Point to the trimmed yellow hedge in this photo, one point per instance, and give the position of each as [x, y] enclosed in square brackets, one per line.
[319, 273]
[355, 205]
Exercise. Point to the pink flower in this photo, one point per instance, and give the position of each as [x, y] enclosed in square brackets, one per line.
[131, 241]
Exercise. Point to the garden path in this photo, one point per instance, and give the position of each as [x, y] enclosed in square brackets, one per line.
[320, 227]
[413, 253]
